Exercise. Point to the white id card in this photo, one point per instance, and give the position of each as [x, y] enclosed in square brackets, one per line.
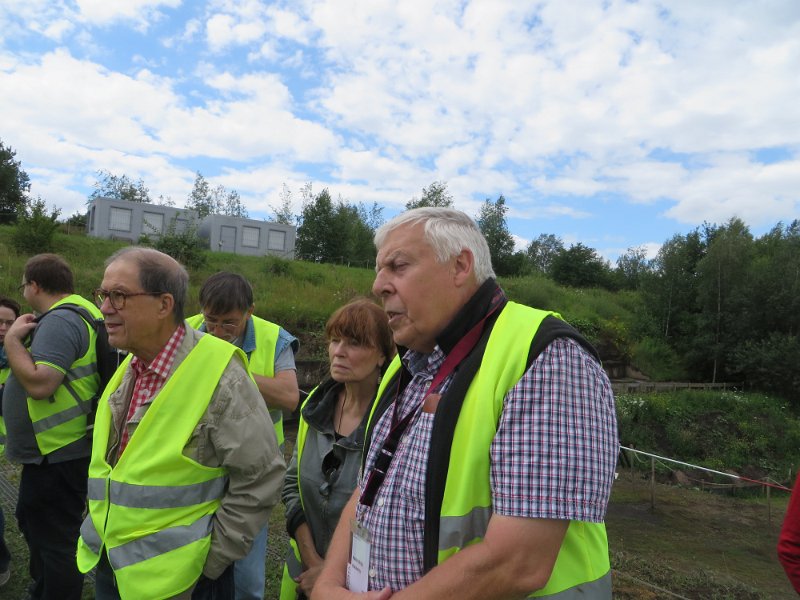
[358, 567]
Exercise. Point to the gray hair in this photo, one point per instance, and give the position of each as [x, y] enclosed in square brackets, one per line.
[448, 231]
[158, 272]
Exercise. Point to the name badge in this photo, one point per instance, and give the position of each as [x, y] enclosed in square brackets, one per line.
[358, 567]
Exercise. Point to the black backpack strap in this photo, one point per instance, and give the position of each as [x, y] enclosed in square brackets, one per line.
[85, 314]
[448, 412]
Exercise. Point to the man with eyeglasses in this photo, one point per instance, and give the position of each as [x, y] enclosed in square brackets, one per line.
[45, 404]
[492, 449]
[227, 304]
[185, 466]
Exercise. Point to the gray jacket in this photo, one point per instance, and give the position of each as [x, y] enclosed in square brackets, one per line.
[236, 433]
[326, 487]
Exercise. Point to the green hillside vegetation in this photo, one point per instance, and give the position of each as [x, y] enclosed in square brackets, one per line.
[301, 295]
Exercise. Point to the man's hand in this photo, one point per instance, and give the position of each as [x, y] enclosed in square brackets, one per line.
[21, 328]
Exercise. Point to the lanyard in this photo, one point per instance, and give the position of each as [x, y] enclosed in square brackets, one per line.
[459, 352]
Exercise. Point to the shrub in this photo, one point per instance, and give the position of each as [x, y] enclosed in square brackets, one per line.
[187, 247]
[35, 228]
[728, 429]
[274, 265]
[658, 360]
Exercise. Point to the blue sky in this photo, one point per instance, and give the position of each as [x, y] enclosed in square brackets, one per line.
[616, 123]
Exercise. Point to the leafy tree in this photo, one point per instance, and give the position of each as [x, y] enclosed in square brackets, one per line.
[774, 277]
[492, 223]
[770, 364]
[435, 194]
[542, 251]
[35, 228]
[316, 233]
[580, 266]
[670, 295]
[336, 232]
[217, 201]
[120, 187]
[230, 202]
[200, 198]
[631, 267]
[722, 292]
[77, 220]
[283, 212]
[14, 186]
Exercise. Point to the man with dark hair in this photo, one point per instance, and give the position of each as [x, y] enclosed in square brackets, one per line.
[185, 465]
[227, 304]
[45, 404]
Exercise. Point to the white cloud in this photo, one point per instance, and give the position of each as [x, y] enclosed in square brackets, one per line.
[555, 107]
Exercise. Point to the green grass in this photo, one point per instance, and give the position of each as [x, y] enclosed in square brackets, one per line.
[301, 296]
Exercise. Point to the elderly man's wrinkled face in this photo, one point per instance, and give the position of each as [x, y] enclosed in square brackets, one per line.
[133, 327]
[419, 293]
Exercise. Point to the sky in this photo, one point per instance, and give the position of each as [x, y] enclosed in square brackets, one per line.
[616, 124]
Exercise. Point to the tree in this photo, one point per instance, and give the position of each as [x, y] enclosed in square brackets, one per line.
[217, 201]
[316, 233]
[631, 267]
[229, 202]
[283, 212]
[119, 187]
[543, 250]
[200, 198]
[435, 194]
[722, 291]
[581, 266]
[14, 186]
[492, 223]
[35, 228]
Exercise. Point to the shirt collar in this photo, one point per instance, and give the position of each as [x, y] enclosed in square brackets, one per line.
[249, 337]
[162, 363]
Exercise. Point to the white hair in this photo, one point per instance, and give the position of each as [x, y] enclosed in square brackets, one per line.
[448, 231]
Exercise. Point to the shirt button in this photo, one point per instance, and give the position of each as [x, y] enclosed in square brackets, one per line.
[381, 502]
[373, 573]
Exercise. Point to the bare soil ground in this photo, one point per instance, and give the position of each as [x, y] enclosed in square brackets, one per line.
[693, 543]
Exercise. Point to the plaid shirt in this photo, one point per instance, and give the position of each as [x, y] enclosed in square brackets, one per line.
[150, 378]
[553, 456]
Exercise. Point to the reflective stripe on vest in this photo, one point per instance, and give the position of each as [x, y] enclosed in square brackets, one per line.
[261, 360]
[61, 419]
[292, 568]
[156, 496]
[154, 483]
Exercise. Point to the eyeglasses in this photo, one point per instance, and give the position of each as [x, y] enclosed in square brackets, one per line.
[212, 325]
[118, 298]
[7, 323]
[21, 286]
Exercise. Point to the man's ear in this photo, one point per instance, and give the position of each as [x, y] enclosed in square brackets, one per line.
[250, 311]
[463, 267]
[167, 303]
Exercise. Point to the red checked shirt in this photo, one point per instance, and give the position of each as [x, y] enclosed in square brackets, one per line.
[151, 378]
